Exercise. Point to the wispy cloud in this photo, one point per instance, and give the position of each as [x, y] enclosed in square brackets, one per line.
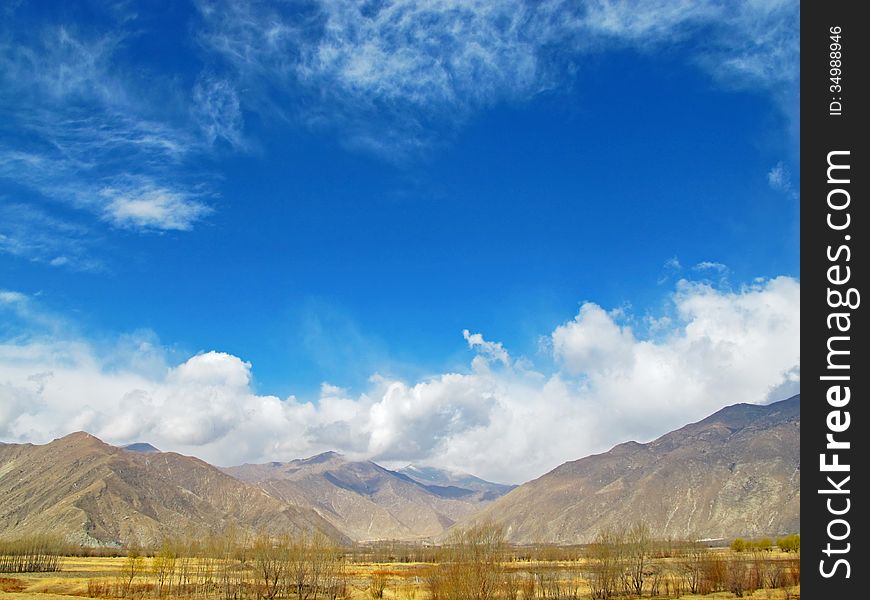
[75, 129]
[394, 77]
[779, 178]
[709, 265]
[29, 232]
[395, 65]
[142, 205]
[217, 110]
[388, 74]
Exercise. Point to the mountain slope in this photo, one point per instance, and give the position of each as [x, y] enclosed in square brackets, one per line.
[364, 500]
[93, 493]
[735, 473]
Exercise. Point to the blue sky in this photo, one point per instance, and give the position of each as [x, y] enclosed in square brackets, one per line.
[329, 191]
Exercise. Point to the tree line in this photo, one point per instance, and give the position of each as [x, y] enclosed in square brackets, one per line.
[476, 564]
[294, 567]
[34, 554]
[472, 564]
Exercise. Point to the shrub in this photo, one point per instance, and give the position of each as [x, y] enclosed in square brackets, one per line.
[789, 543]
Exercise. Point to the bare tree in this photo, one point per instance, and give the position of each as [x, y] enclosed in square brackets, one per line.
[470, 566]
[329, 577]
[737, 577]
[606, 562]
[299, 567]
[163, 567]
[270, 561]
[133, 566]
[691, 566]
[638, 546]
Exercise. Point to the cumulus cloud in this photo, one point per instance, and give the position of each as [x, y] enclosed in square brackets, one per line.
[487, 351]
[606, 384]
[386, 72]
[592, 342]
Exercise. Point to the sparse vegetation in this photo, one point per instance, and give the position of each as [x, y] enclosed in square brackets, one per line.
[378, 584]
[474, 564]
[789, 543]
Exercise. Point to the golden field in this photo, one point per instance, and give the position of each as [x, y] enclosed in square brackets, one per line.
[401, 580]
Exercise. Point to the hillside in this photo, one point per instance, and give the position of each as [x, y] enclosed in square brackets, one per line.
[96, 494]
[735, 473]
[366, 501]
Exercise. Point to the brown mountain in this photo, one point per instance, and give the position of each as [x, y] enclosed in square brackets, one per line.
[736, 473]
[96, 494]
[366, 501]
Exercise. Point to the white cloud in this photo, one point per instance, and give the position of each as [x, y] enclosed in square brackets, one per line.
[11, 297]
[214, 369]
[385, 72]
[144, 207]
[779, 178]
[592, 342]
[712, 268]
[709, 265]
[719, 347]
[488, 351]
[76, 124]
[392, 77]
[217, 109]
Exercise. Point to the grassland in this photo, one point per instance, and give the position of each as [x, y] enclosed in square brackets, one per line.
[400, 580]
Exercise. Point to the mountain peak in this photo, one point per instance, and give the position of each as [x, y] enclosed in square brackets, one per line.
[80, 438]
[428, 475]
[143, 447]
[322, 457]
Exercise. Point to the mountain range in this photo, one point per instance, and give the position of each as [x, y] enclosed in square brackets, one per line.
[735, 473]
[367, 501]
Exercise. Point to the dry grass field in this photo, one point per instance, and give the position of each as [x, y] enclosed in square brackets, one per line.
[473, 564]
[401, 581]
